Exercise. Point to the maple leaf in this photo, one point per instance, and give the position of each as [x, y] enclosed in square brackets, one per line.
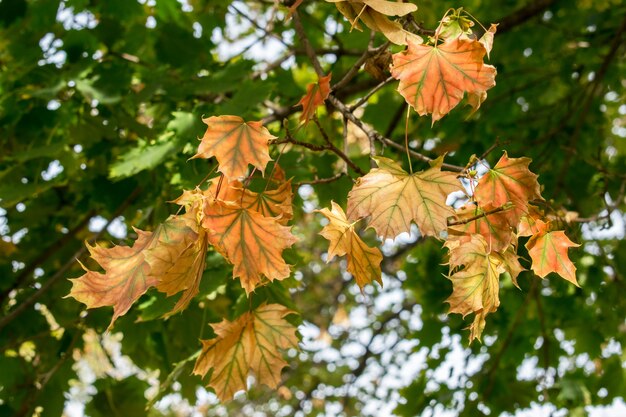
[393, 198]
[512, 264]
[250, 343]
[126, 278]
[510, 181]
[433, 79]
[363, 261]
[270, 203]
[493, 227]
[179, 257]
[374, 14]
[476, 286]
[250, 241]
[487, 38]
[531, 223]
[548, 251]
[316, 94]
[235, 143]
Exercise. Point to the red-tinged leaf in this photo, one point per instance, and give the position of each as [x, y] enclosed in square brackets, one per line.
[493, 227]
[433, 79]
[393, 199]
[235, 143]
[250, 343]
[126, 278]
[316, 94]
[548, 251]
[363, 261]
[252, 242]
[510, 181]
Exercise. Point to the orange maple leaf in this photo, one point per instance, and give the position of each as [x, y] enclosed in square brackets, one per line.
[270, 203]
[363, 261]
[235, 143]
[493, 227]
[316, 94]
[275, 202]
[126, 278]
[250, 343]
[510, 181]
[433, 79]
[252, 242]
[393, 198]
[548, 251]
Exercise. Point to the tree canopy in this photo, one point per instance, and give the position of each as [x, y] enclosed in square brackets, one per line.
[358, 207]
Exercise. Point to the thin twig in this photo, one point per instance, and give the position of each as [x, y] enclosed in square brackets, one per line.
[373, 91]
[371, 133]
[321, 180]
[479, 216]
[297, 23]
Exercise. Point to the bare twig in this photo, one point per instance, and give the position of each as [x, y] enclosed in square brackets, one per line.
[297, 23]
[373, 91]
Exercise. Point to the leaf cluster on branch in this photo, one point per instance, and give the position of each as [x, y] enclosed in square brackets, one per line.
[251, 229]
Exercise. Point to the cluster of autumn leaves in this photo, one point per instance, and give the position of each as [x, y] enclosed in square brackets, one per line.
[250, 230]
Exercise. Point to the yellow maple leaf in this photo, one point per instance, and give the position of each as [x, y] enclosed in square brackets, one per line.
[179, 258]
[363, 261]
[374, 14]
[393, 198]
[476, 285]
[250, 343]
[270, 203]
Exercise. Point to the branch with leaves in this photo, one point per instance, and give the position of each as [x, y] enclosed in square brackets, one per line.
[251, 229]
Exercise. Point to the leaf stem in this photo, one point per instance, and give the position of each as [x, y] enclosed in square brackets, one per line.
[406, 138]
